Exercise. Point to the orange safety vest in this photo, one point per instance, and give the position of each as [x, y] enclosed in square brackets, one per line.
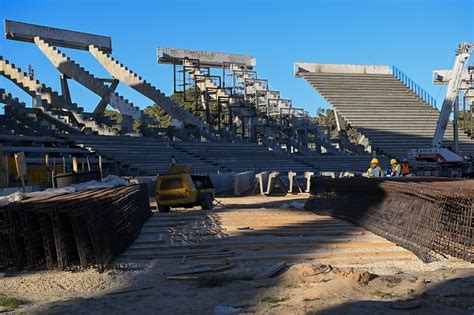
[405, 168]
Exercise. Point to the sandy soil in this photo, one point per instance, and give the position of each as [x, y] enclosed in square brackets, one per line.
[315, 286]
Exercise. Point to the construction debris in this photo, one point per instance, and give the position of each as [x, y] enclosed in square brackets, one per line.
[88, 228]
[427, 216]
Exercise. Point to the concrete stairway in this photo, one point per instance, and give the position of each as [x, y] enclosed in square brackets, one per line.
[125, 75]
[383, 109]
[73, 70]
[50, 99]
[31, 86]
[15, 115]
[35, 118]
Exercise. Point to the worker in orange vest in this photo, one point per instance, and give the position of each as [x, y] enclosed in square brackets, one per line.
[405, 167]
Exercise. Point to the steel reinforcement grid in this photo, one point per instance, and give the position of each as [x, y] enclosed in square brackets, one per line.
[431, 217]
[88, 228]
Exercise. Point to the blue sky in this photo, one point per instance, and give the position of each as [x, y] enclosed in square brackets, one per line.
[417, 36]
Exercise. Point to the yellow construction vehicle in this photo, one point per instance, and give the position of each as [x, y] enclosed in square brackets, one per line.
[180, 188]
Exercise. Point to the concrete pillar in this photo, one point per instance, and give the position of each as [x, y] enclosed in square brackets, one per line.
[271, 180]
[262, 181]
[307, 176]
[340, 123]
[291, 178]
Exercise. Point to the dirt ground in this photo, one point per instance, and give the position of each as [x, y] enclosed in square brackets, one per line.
[327, 266]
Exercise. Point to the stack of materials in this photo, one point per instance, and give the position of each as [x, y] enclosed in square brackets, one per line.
[430, 217]
[88, 228]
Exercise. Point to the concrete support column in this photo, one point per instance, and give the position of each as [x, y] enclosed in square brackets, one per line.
[340, 123]
[307, 176]
[262, 181]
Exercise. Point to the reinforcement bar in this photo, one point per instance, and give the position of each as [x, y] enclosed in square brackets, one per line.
[430, 217]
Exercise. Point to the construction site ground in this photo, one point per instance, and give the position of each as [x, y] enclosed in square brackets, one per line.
[264, 255]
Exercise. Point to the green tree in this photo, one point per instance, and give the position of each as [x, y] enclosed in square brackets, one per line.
[114, 115]
[159, 114]
[326, 117]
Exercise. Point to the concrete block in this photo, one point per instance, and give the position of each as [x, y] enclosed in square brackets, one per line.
[223, 183]
[206, 58]
[59, 37]
[243, 182]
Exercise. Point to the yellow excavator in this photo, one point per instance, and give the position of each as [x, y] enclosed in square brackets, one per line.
[180, 188]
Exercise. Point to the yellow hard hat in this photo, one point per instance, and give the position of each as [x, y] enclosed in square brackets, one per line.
[374, 160]
[393, 161]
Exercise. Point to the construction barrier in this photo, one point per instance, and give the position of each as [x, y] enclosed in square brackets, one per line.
[88, 228]
[431, 217]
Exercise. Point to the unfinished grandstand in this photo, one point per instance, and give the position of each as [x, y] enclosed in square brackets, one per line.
[228, 122]
[237, 123]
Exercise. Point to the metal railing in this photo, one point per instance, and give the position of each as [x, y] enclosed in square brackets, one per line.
[425, 96]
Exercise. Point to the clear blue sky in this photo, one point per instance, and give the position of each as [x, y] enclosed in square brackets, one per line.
[415, 35]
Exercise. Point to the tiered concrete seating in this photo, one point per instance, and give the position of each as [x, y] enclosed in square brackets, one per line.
[381, 107]
[31, 121]
[339, 163]
[146, 156]
[37, 147]
[241, 157]
[141, 155]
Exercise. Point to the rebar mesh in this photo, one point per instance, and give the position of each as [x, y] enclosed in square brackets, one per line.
[84, 228]
[427, 216]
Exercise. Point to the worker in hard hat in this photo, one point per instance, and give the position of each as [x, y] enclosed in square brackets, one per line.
[374, 169]
[395, 168]
[405, 168]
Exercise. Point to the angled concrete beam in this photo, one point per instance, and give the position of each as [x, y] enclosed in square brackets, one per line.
[300, 68]
[59, 37]
[206, 58]
[100, 108]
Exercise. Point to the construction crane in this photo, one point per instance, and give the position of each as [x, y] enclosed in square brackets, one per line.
[437, 153]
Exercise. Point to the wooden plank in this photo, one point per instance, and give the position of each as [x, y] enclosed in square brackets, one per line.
[271, 271]
[301, 230]
[353, 255]
[289, 225]
[203, 269]
[346, 244]
[195, 256]
[293, 233]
